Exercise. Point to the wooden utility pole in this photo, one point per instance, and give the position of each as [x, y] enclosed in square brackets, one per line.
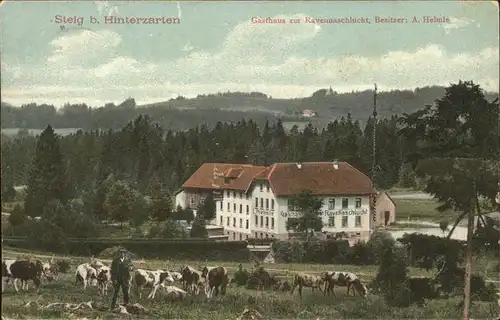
[374, 155]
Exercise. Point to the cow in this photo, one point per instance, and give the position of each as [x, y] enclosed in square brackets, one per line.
[86, 274]
[216, 279]
[191, 279]
[51, 267]
[154, 279]
[103, 279]
[23, 270]
[343, 279]
[306, 280]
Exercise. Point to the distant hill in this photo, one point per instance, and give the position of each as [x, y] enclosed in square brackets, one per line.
[182, 113]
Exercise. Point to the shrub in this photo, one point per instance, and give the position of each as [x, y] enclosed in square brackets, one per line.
[111, 252]
[360, 254]
[392, 278]
[288, 251]
[377, 244]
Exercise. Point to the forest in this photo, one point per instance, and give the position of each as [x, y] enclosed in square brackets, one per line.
[182, 113]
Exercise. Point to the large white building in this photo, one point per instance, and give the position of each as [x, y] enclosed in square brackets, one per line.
[256, 201]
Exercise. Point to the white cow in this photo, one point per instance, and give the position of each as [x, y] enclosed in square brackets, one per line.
[148, 278]
[175, 293]
[343, 279]
[103, 279]
[176, 275]
[86, 274]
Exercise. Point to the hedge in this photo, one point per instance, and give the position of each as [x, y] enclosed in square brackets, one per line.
[186, 249]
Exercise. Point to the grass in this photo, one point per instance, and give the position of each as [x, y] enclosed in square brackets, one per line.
[418, 209]
[271, 305]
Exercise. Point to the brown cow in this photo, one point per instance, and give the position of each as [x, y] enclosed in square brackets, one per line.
[306, 280]
[215, 278]
[191, 279]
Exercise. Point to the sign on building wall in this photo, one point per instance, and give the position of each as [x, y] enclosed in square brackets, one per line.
[328, 213]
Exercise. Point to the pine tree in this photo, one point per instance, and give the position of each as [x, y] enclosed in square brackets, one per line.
[47, 178]
[199, 228]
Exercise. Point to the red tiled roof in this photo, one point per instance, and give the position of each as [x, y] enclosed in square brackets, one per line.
[286, 179]
[223, 176]
[321, 178]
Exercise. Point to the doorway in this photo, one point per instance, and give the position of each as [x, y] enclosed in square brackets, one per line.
[387, 216]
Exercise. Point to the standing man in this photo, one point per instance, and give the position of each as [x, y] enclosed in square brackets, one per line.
[121, 269]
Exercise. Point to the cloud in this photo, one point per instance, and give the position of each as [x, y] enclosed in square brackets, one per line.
[86, 66]
[457, 23]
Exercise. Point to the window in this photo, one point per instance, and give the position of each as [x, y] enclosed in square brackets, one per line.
[267, 236]
[234, 222]
[267, 222]
[272, 223]
[221, 220]
[234, 207]
[227, 221]
[261, 235]
[272, 204]
[261, 221]
[221, 206]
[331, 222]
[292, 206]
[234, 235]
[241, 195]
[241, 208]
[241, 236]
[357, 222]
[234, 194]
[191, 201]
[331, 204]
[248, 209]
[261, 187]
[344, 222]
[228, 207]
[256, 221]
[246, 226]
[267, 203]
[358, 202]
[345, 203]
[262, 202]
[241, 223]
[256, 202]
[229, 194]
[267, 187]
[246, 236]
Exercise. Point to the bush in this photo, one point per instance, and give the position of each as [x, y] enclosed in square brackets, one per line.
[377, 244]
[360, 254]
[288, 251]
[319, 251]
[168, 229]
[111, 252]
[392, 278]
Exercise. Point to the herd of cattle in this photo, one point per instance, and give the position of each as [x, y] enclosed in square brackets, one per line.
[212, 280]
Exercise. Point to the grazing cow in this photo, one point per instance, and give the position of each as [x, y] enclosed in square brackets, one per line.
[216, 278]
[191, 279]
[103, 279]
[86, 274]
[23, 270]
[306, 280]
[154, 279]
[343, 279]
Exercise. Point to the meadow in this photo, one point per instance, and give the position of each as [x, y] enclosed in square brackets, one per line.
[272, 305]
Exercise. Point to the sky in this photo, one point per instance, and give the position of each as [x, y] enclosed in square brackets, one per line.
[217, 48]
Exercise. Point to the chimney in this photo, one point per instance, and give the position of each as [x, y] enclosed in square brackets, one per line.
[299, 165]
[335, 165]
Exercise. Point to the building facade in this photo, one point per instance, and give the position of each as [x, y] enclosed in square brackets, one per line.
[385, 210]
[256, 201]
